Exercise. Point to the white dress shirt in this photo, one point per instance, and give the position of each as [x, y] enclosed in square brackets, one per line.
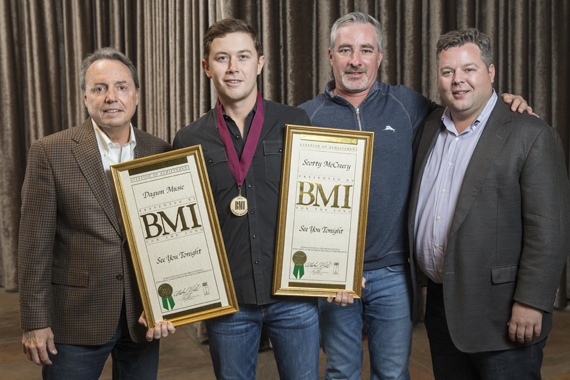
[112, 153]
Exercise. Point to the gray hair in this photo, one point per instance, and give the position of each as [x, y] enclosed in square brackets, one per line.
[111, 54]
[359, 18]
[458, 38]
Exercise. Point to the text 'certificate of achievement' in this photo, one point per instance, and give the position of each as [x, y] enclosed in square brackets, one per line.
[322, 213]
[174, 237]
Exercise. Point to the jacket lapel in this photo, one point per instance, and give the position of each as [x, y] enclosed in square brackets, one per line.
[141, 148]
[88, 157]
[491, 140]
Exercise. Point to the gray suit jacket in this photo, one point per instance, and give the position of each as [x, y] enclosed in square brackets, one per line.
[509, 236]
[73, 262]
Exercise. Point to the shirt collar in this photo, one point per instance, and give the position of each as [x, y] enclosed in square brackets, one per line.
[105, 142]
[248, 120]
[251, 113]
[480, 120]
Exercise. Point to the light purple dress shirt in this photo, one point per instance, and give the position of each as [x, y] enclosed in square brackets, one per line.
[440, 186]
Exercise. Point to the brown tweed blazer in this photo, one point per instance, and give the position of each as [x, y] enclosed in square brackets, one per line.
[74, 264]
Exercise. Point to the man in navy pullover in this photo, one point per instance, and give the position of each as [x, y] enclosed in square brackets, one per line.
[356, 100]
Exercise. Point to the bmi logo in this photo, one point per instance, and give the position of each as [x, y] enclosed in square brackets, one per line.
[240, 205]
[161, 223]
[313, 194]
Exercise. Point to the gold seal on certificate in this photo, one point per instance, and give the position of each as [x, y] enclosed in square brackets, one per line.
[299, 259]
[165, 292]
[238, 205]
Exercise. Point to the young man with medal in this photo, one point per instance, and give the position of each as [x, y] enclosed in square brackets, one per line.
[242, 141]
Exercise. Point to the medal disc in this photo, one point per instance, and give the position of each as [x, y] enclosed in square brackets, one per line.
[238, 206]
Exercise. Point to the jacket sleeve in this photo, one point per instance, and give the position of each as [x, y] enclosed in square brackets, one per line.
[419, 107]
[36, 240]
[306, 121]
[545, 195]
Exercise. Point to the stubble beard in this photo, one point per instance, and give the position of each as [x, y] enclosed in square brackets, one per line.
[355, 85]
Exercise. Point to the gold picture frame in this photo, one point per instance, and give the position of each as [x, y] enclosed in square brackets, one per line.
[174, 237]
[323, 207]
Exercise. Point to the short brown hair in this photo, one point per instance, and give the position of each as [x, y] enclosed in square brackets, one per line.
[458, 38]
[112, 55]
[226, 26]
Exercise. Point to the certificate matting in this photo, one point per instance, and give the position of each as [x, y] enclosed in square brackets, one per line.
[174, 237]
[322, 212]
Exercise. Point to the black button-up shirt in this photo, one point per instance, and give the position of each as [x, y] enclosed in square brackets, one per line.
[250, 239]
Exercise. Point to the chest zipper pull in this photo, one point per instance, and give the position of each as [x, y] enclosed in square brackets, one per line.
[358, 118]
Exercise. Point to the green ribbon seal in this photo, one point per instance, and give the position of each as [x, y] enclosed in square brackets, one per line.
[299, 259]
[165, 292]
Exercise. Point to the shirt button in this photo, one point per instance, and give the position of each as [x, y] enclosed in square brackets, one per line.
[249, 185]
[438, 218]
[119, 277]
[257, 261]
[253, 236]
[440, 271]
[457, 139]
[443, 191]
[449, 164]
[437, 245]
[251, 212]
[237, 136]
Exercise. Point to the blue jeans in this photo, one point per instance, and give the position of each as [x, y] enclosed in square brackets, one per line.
[386, 307]
[449, 363]
[292, 326]
[130, 360]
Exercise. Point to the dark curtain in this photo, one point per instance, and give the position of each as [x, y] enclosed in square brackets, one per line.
[43, 42]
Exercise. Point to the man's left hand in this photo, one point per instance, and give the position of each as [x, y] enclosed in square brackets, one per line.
[525, 323]
[518, 104]
[160, 330]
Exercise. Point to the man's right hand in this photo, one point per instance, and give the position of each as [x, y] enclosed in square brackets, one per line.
[34, 343]
[161, 329]
[343, 298]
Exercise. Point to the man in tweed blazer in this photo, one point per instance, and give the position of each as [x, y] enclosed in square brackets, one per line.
[78, 292]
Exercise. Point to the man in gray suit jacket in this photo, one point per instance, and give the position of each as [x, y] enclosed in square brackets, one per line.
[488, 222]
[79, 299]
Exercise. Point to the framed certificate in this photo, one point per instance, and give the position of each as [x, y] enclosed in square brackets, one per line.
[174, 237]
[322, 212]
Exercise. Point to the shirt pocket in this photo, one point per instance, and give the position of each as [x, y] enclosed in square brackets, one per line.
[219, 170]
[273, 154]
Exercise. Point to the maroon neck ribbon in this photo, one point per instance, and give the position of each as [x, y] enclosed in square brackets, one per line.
[240, 167]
